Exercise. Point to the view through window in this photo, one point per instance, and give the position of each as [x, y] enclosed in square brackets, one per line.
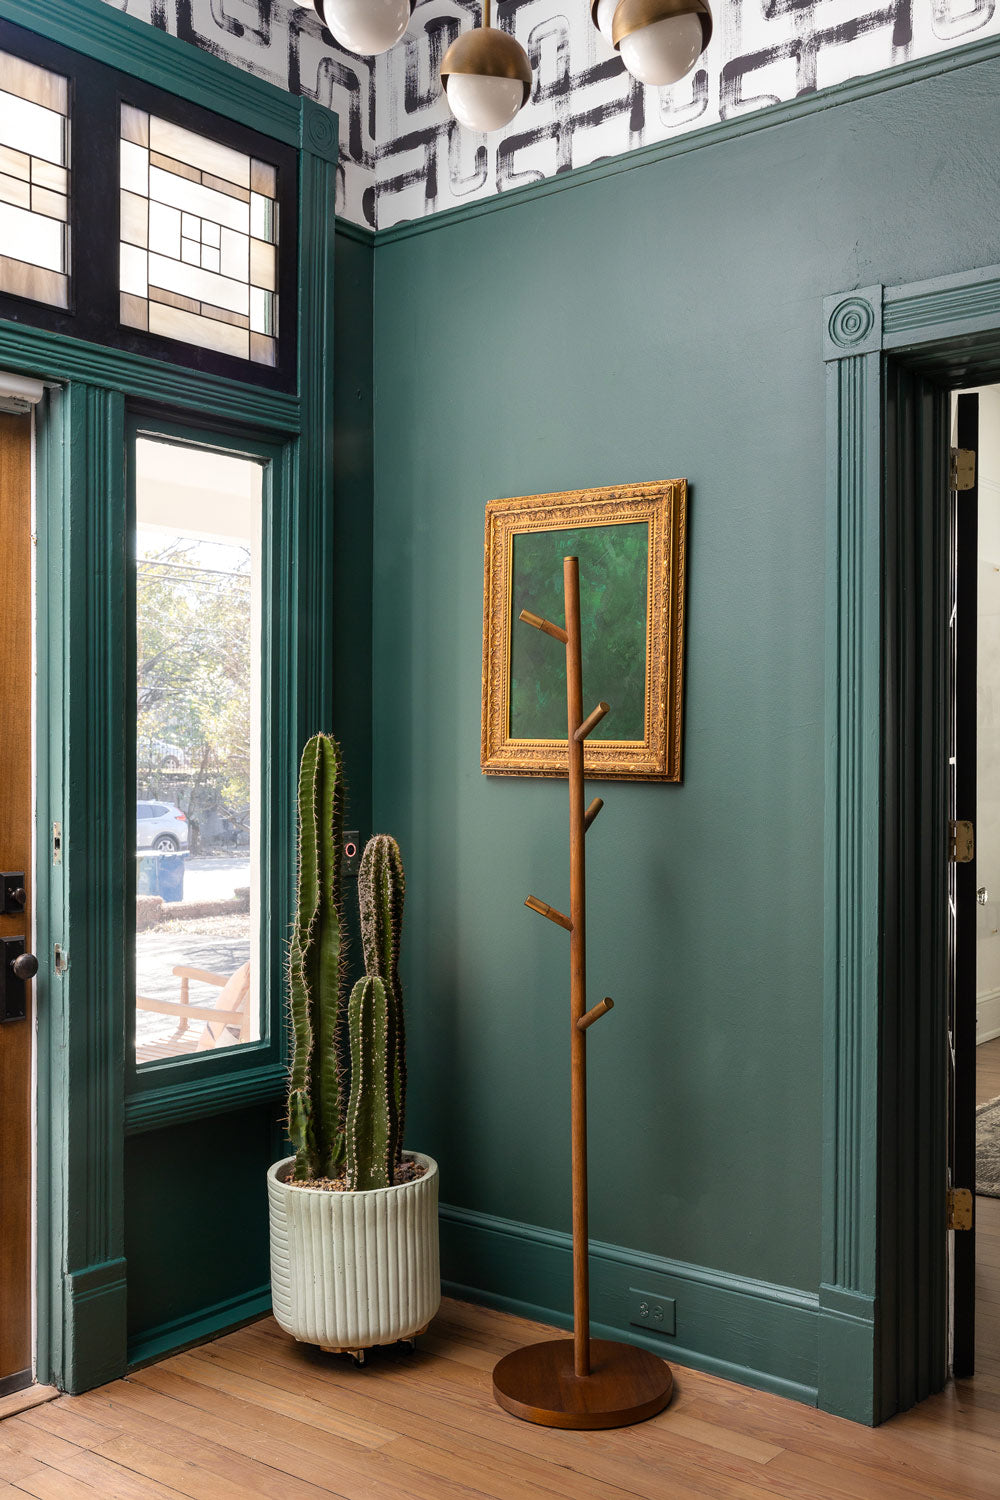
[198, 527]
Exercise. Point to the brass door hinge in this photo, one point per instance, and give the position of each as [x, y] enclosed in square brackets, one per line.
[961, 842]
[962, 469]
[959, 1208]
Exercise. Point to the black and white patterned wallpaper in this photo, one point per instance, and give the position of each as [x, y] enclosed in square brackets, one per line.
[402, 155]
[284, 43]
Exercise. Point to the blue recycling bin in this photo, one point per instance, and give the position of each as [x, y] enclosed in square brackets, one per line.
[160, 874]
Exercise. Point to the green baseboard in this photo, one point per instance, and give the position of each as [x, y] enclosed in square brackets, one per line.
[93, 1334]
[749, 1331]
[195, 1328]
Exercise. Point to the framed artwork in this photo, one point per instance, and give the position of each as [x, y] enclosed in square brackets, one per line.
[630, 540]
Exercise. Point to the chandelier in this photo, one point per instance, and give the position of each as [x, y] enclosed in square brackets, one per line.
[486, 74]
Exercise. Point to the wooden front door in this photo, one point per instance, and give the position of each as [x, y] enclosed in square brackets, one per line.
[15, 859]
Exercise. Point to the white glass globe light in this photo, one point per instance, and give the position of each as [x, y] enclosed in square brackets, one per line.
[487, 78]
[665, 51]
[365, 27]
[603, 14]
[481, 103]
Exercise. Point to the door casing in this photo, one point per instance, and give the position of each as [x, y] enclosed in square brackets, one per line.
[83, 699]
[893, 355]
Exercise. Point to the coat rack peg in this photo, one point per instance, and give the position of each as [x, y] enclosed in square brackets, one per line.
[545, 910]
[555, 631]
[591, 721]
[595, 1013]
[579, 1382]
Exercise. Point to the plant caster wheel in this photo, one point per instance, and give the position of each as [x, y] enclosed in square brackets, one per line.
[357, 1355]
[408, 1345]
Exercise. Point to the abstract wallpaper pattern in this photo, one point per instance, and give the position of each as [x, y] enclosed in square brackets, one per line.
[402, 155]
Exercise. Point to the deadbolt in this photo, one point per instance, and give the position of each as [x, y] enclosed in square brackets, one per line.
[13, 896]
[982, 895]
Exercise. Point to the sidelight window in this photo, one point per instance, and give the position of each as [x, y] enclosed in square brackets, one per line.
[198, 669]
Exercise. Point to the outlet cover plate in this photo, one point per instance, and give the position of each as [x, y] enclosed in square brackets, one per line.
[652, 1312]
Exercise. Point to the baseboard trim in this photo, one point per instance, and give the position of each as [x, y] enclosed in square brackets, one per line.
[196, 1328]
[94, 1311]
[987, 1016]
[748, 1331]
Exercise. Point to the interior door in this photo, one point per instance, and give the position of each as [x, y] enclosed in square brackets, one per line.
[962, 889]
[15, 903]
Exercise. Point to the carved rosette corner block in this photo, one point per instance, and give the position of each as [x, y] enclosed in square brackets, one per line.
[853, 323]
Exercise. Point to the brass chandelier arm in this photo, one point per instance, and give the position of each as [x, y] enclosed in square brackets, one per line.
[634, 15]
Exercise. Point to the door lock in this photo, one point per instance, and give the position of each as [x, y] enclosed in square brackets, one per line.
[13, 895]
[17, 969]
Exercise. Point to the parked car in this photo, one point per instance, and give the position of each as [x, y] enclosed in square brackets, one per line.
[160, 826]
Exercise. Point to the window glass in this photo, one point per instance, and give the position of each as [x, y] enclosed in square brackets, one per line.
[198, 529]
[34, 182]
[199, 239]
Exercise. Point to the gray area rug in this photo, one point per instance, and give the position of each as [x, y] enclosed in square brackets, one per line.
[988, 1149]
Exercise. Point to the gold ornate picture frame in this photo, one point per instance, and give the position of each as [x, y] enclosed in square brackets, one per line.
[632, 602]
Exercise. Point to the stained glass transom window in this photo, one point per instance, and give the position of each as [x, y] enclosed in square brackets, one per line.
[34, 182]
[199, 239]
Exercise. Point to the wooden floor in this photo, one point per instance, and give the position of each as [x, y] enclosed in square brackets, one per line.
[254, 1414]
[988, 1232]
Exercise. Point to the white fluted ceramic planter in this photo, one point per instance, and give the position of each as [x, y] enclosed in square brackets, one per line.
[351, 1270]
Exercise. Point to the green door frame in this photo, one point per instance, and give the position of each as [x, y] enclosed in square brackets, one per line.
[893, 355]
[84, 1110]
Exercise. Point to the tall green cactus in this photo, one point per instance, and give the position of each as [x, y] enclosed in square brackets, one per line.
[315, 971]
[370, 1137]
[381, 889]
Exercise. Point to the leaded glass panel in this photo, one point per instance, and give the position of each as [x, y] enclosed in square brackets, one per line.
[199, 238]
[34, 182]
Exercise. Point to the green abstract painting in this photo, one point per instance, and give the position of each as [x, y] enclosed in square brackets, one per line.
[614, 570]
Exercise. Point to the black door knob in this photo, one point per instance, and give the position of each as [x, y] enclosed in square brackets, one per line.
[25, 966]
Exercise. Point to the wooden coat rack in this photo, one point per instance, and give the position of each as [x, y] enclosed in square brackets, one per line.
[579, 1382]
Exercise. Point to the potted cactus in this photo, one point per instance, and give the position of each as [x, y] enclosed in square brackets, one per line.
[354, 1235]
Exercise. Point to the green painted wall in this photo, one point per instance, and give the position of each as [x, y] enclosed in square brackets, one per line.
[195, 1198]
[664, 321]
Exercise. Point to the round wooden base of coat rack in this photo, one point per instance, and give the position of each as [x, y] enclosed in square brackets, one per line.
[625, 1385]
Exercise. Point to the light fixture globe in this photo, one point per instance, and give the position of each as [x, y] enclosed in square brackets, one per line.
[602, 13]
[661, 40]
[365, 27]
[487, 78]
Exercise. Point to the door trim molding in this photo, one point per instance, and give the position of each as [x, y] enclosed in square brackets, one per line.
[82, 1274]
[883, 1141]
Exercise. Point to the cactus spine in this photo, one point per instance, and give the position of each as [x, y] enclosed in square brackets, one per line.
[370, 1137]
[315, 1102]
[381, 888]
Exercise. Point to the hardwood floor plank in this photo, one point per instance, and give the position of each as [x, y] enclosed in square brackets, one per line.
[49, 1484]
[32, 1395]
[82, 1464]
[282, 1441]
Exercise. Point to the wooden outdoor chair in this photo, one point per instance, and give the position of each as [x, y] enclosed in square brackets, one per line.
[230, 1014]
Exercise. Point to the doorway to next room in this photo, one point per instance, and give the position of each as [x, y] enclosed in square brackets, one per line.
[987, 851]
